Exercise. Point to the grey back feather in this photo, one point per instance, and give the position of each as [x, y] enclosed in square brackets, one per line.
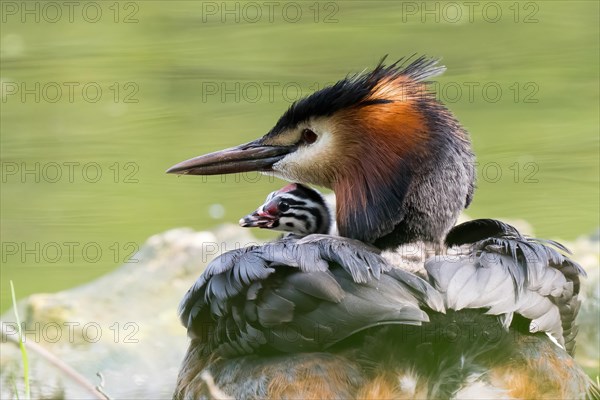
[306, 294]
[303, 294]
[508, 274]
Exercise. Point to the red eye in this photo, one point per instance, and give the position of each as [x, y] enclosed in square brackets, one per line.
[309, 136]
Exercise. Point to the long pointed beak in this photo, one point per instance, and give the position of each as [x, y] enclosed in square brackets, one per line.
[252, 156]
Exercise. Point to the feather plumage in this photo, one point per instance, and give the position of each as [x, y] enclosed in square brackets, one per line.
[300, 287]
[506, 273]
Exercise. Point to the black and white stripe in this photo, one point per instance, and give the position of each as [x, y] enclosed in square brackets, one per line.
[301, 211]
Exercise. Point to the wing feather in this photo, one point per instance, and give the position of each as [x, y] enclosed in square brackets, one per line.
[504, 272]
[300, 294]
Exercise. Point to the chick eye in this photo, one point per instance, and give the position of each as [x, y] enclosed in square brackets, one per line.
[308, 136]
[283, 206]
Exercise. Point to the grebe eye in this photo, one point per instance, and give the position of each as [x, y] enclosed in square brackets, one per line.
[308, 136]
[283, 206]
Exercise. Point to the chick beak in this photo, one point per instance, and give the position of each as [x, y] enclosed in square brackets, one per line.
[258, 219]
[252, 156]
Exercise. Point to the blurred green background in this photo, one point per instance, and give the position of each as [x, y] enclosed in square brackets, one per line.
[156, 82]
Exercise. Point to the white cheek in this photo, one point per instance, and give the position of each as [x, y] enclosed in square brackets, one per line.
[291, 167]
[313, 157]
[296, 227]
[277, 174]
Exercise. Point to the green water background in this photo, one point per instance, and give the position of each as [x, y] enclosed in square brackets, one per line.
[179, 79]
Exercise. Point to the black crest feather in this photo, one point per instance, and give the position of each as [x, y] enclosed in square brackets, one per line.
[354, 90]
